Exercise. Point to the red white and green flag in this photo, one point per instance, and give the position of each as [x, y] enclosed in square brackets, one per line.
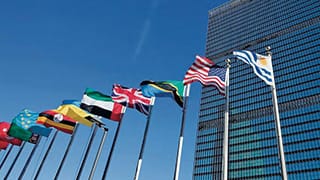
[102, 105]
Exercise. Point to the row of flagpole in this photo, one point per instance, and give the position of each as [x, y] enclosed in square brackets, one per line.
[96, 125]
[38, 170]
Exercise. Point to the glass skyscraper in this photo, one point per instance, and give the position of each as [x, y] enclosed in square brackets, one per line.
[292, 30]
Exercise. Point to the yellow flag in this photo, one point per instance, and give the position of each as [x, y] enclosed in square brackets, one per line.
[76, 113]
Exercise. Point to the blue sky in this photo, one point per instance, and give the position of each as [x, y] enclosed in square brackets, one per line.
[52, 50]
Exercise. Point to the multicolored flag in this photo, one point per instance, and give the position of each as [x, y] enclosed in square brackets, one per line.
[102, 105]
[207, 73]
[76, 113]
[132, 98]
[4, 136]
[27, 120]
[262, 65]
[170, 88]
[52, 118]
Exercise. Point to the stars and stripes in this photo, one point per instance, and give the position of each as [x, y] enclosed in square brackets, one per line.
[207, 73]
[132, 98]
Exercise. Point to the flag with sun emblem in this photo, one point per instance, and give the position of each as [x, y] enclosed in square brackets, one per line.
[262, 65]
[25, 123]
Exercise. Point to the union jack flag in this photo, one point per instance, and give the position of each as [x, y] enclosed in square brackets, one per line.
[132, 98]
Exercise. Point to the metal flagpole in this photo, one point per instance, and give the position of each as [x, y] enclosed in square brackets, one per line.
[179, 151]
[15, 160]
[136, 176]
[111, 151]
[4, 152]
[88, 147]
[278, 125]
[226, 128]
[29, 158]
[46, 154]
[93, 169]
[66, 152]
[6, 156]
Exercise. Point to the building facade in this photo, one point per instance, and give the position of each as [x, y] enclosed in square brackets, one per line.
[291, 29]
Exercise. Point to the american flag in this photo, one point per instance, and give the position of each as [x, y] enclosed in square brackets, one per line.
[132, 98]
[207, 73]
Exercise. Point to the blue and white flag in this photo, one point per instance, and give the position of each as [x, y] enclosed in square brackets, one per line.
[262, 65]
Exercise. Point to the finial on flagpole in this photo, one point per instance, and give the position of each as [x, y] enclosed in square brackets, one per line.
[268, 49]
[228, 61]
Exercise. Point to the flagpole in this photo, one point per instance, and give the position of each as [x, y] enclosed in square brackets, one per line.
[278, 125]
[29, 158]
[88, 147]
[5, 158]
[15, 160]
[46, 154]
[226, 127]
[4, 152]
[138, 167]
[179, 151]
[93, 169]
[66, 152]
[111, 151]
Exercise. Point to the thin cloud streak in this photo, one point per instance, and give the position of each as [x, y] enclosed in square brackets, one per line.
[145, 30]
[143, 35]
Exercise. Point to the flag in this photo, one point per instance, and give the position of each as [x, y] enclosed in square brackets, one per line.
[207, 73]
[3, 145]
[174, 89]
[262, 65]
[132, 98]
[76, 113]
[102, 105]
[4, 136]
[88, 116]
[27, 120]
[52, 118]
[19, 132]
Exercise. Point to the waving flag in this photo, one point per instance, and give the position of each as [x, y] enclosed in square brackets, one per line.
[132, 98]
[27, 119]
[52, 118]
[19, 132]
[174, 89]
[262, 65]
[76, 113]
[102, 105]
[207, 73]
[4, 136]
